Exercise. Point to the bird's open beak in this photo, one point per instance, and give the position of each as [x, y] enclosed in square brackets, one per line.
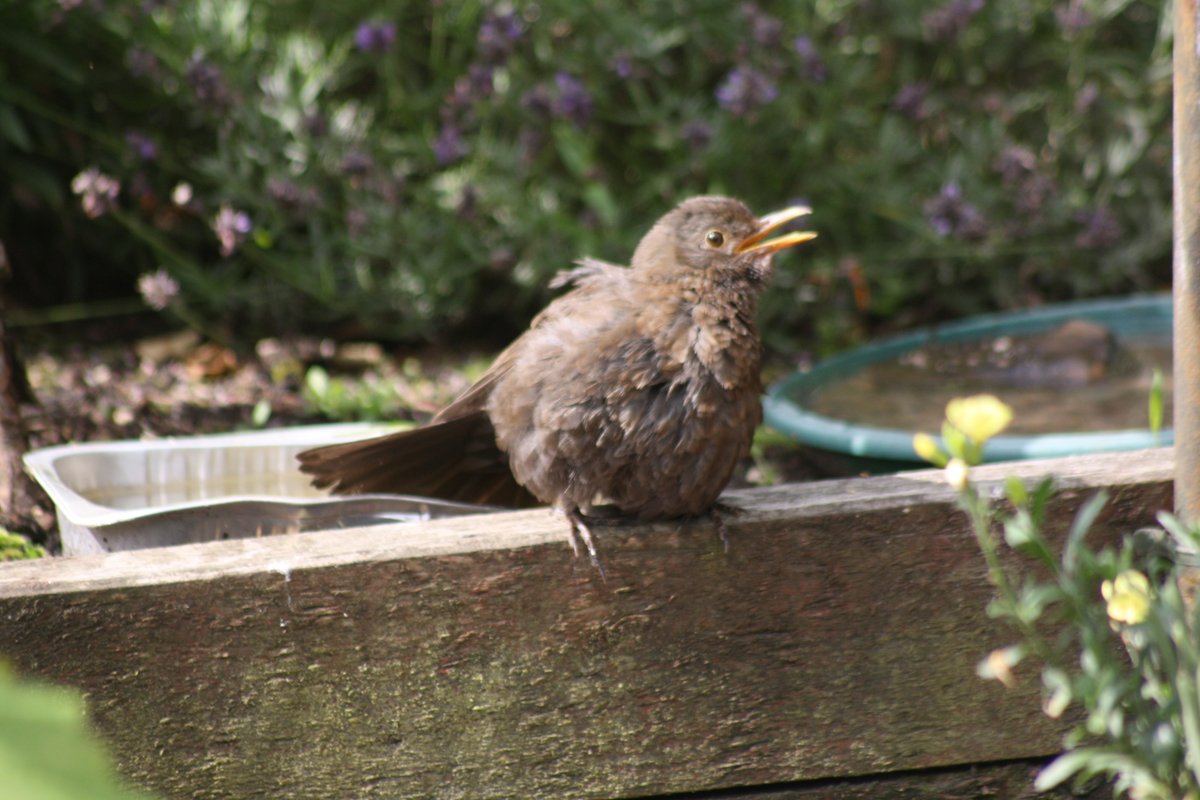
[758, 241]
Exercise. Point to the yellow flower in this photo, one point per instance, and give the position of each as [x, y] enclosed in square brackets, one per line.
[927, 448]
[1128, 597]
[980, 416]
[957, 474]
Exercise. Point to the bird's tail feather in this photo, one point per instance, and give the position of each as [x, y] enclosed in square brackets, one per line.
[453, 460]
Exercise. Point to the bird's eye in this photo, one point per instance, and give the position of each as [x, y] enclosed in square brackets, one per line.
[715, 238]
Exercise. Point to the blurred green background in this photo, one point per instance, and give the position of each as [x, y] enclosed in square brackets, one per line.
[417, 171]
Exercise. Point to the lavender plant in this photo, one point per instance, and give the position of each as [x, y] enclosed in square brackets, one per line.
[1109, 626]
[411, 169]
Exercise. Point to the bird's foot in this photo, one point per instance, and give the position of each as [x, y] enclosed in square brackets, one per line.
[580, 532]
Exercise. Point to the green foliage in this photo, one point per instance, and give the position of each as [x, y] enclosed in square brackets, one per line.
[15, 547]
[414, 167]
[46, 749]
[1155, 403]
[347, 399]
[1111, 630]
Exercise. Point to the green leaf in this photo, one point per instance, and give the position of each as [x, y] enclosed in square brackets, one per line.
[13, 130]
[575, 150]
[261, 413]
[1096, 760]
[955, 441]
[600, 200]
[1186, 537]
[1059, 692]
[46, 749]
[1034, 599]
[1014, 487]
[1155, 409]
[15, 547]
[1079, 528]
[316, 380]
[1040, 499]
[1062, 768]
[1018, 530]
[1021, 534]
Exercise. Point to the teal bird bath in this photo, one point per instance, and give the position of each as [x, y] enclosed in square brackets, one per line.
[818, 408]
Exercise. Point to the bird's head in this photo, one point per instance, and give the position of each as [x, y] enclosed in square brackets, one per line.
[718, 235]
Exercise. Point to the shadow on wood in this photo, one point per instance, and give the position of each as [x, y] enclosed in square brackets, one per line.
[837, 636]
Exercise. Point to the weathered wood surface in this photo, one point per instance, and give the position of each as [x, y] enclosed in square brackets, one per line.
[837, 636]
[1006, 780]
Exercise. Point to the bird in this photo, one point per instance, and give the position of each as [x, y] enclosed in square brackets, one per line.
[637, 390]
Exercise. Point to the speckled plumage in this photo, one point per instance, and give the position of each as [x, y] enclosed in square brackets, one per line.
[639, 387]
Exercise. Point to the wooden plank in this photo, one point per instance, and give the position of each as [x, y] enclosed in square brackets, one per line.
[1007, 779]
[836, 636]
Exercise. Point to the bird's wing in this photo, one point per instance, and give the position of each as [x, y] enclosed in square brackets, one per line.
[590, 275]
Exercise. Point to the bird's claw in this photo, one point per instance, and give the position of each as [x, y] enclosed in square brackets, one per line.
[580, 532]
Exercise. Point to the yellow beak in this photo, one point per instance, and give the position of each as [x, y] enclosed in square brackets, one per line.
[758, 241]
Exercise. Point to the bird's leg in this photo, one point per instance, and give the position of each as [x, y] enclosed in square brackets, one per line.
[580, 532]
[717, 514]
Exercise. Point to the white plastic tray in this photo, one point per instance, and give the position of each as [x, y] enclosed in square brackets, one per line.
[133, 494]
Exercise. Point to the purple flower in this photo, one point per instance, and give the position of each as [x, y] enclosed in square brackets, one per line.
[449, 146]
[375, 37]
[97, 192]
[622, 64]
[910, 101]
[572, 101]
[949, 21]
[1087, 96]
[498, 33]
[158, 289]
[356, 222]
[538, 101]
[1100, 229]
[207, 82]
[765, 30]
[697, 134]
[1033, 192]
[142, 145]
[290, 196]
[744, 90]
[951, 216]
[1072, 18]
[356, 164]
[812, 66]
[480, 77]
[232, 228]
[1014, 163]
[476, 85]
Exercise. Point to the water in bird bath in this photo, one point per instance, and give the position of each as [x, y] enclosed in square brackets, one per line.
[1077, 377]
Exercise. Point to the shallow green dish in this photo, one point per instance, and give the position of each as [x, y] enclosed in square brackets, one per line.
[877, 449]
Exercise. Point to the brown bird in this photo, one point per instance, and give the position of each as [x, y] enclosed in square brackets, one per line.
[640, 387]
